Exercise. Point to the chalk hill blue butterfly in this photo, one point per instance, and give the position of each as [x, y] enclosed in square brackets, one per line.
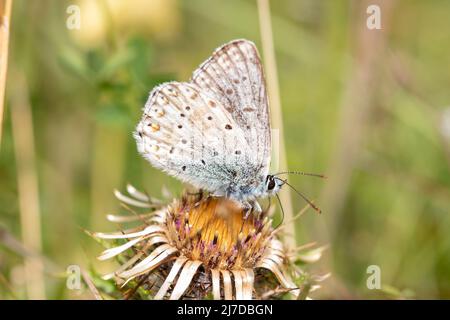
[214, 132]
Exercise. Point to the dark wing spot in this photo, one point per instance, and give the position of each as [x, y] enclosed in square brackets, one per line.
[209, 118]
[188, 108]
[173, 92]
[203, 161]
[183, 168]
[215, 153]
[229, 91]
[237, 152]
[171, 150]
[182, 115]
[180, 126]
[236, 81]
[228, 127]
[184, 141]
[164, 100]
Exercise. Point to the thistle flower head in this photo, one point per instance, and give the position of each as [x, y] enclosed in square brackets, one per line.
[215, 232]
[197, 246]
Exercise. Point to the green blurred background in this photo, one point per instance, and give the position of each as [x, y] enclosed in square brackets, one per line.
[370, 108]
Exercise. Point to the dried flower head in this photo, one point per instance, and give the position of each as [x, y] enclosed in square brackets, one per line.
[197, 246]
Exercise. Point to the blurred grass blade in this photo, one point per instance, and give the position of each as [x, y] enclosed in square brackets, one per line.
[275, 107]
[30, 218]
[5, 18]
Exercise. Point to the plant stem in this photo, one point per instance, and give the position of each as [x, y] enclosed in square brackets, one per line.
[30, 218]
[5, 18]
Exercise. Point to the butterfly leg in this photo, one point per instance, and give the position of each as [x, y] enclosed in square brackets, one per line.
[248, 208]
[256, 206]
[251, 206]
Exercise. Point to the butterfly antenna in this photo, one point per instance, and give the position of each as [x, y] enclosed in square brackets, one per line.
[282, 211]
[302, 196]
[302, 173]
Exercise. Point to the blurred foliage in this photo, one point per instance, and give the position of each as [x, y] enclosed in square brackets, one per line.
[88, 86]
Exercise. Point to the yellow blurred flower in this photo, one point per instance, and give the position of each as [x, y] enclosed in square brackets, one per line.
[159, 19]
[92, 24]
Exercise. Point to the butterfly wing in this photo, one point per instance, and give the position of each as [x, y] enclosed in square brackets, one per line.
[234, 76]
[189, 135]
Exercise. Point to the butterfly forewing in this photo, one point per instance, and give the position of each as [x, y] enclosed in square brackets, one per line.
[234, 76]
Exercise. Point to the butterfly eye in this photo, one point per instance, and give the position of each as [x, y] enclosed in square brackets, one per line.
[271, 184]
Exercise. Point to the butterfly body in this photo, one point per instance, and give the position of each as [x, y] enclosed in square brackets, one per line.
[214, 131]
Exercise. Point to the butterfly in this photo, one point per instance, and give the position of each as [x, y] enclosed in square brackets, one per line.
[214, 132]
